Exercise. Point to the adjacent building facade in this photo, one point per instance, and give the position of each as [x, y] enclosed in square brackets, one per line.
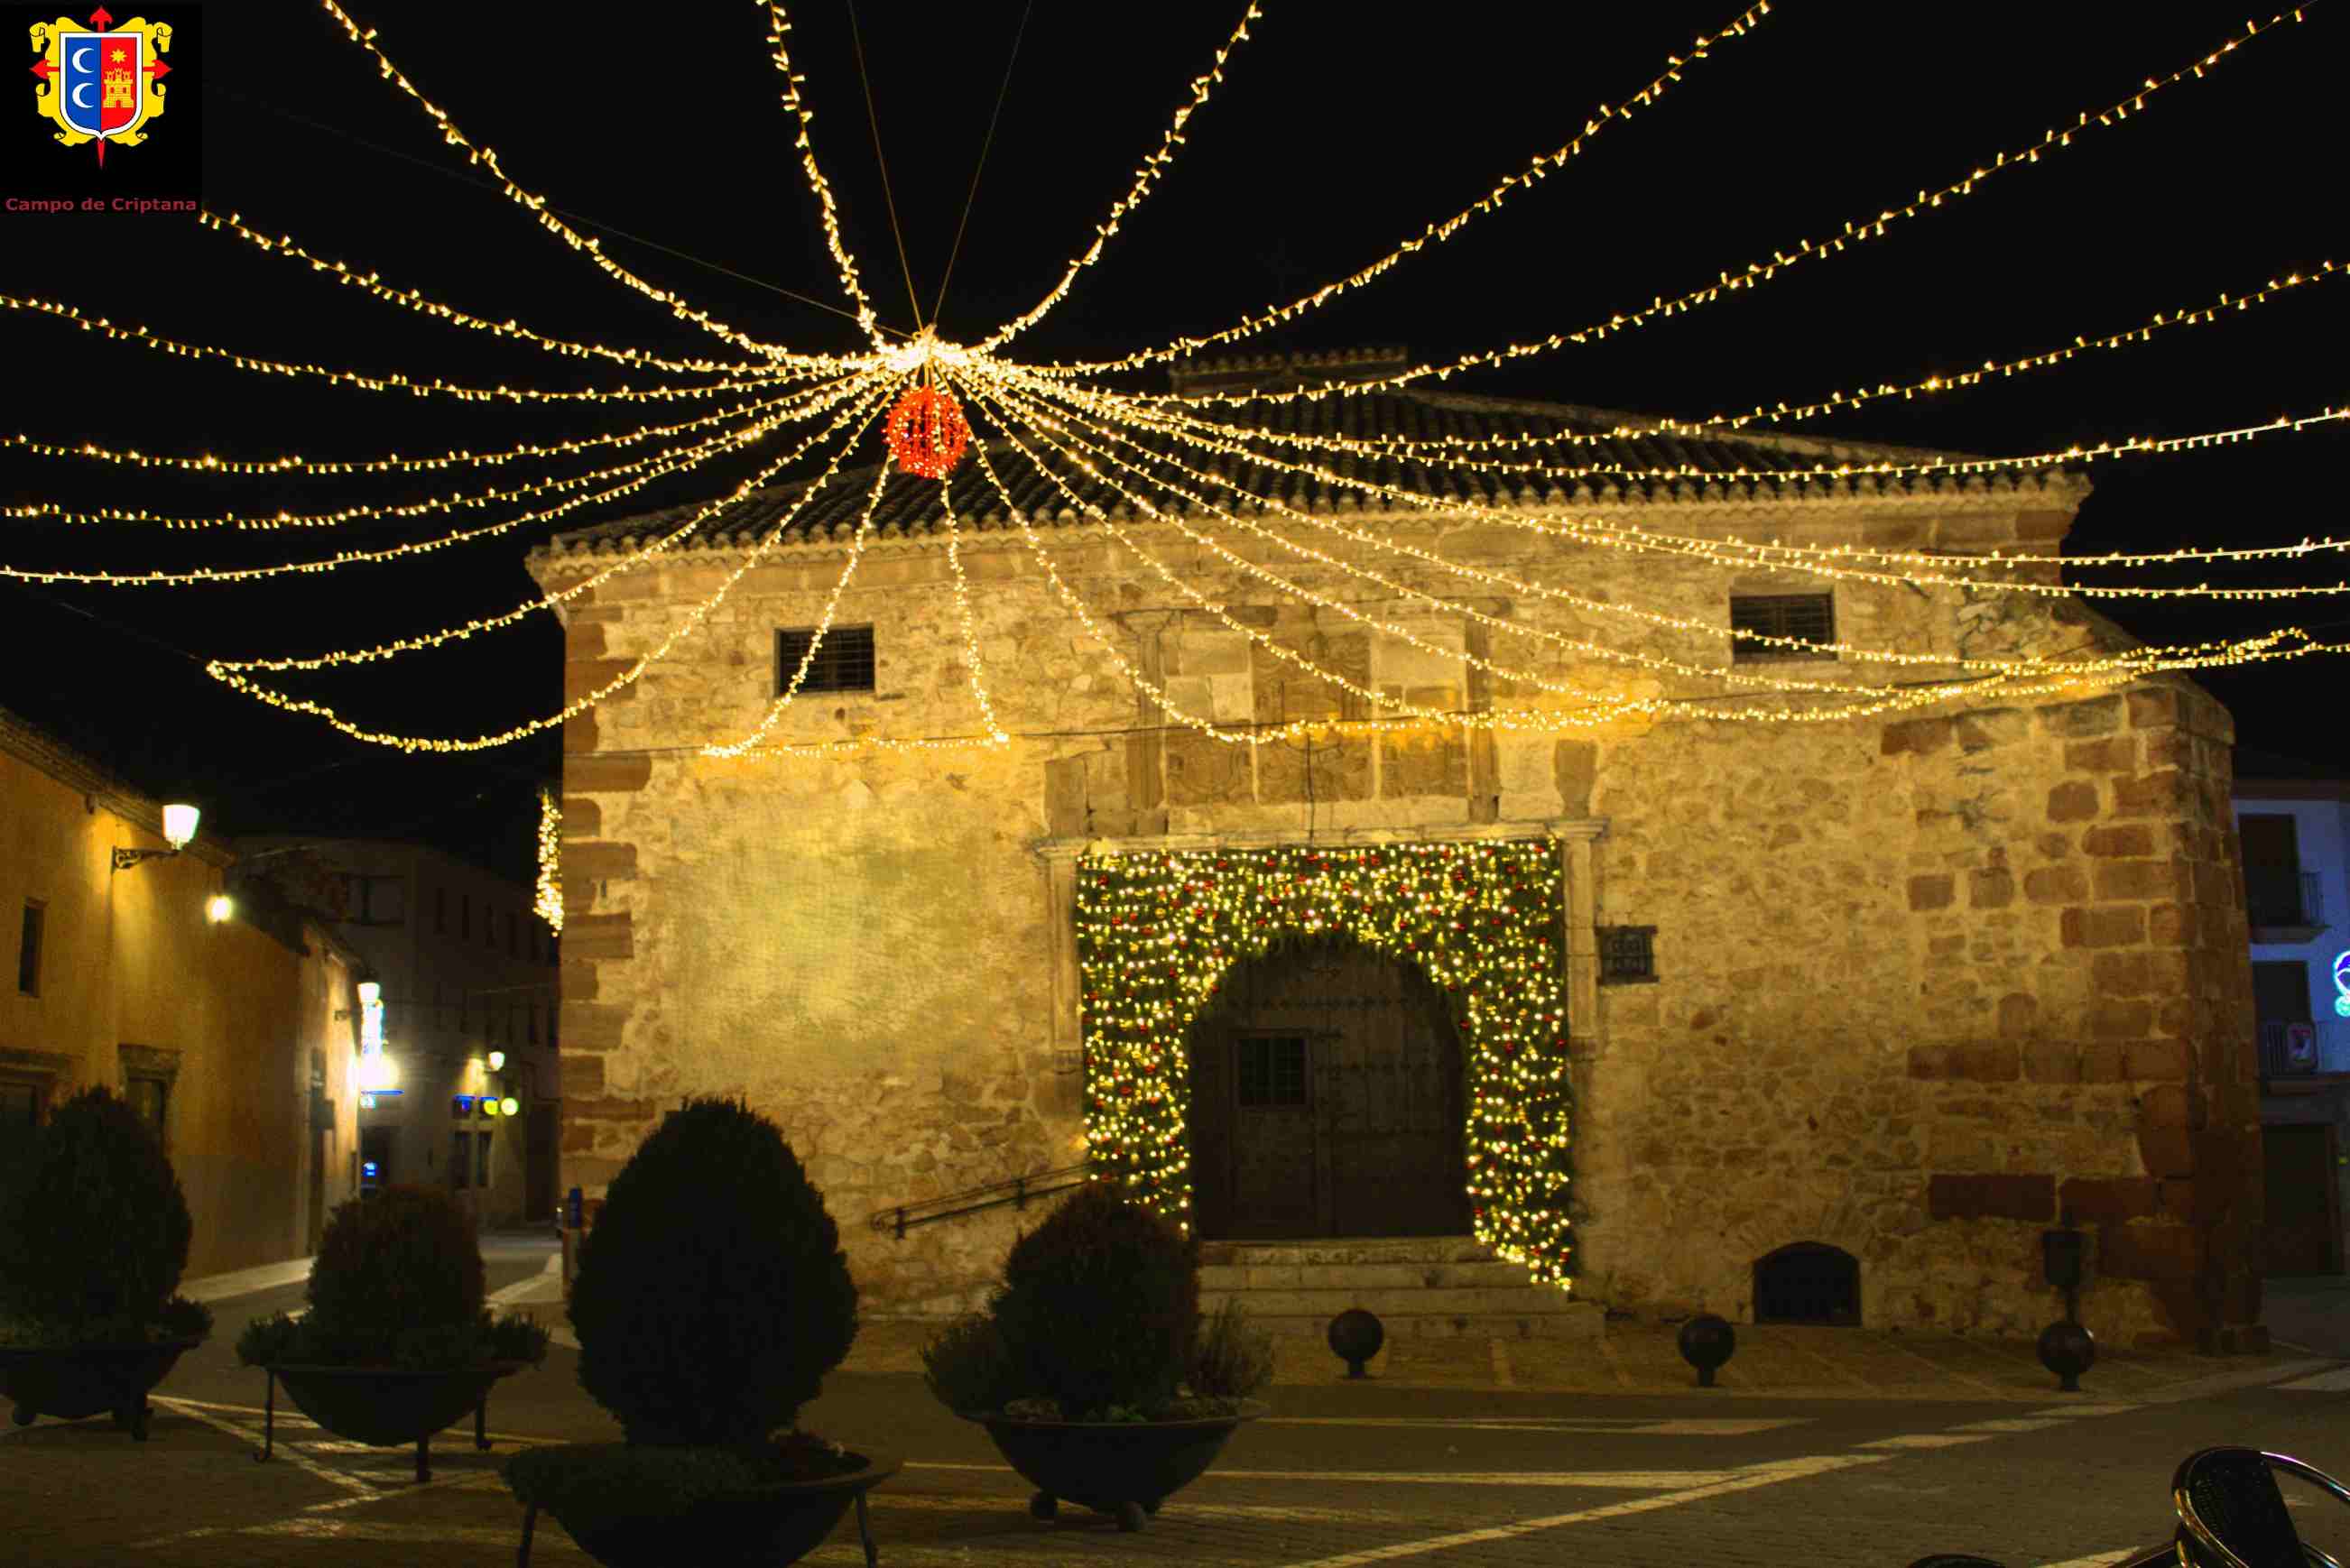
[467, 972]
[233, 1036]
[2294, 824]
[1856, 1004]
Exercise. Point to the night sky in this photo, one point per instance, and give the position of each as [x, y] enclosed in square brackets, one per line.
[1338, 130]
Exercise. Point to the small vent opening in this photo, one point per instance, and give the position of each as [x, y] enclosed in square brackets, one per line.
[1808, 1282]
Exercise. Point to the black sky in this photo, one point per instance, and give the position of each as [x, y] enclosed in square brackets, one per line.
[1339, 130]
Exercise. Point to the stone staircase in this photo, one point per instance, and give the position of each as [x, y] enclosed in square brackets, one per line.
[1432, 1286]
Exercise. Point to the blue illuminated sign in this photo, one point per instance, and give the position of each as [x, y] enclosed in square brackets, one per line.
[366, 1167]
[2342, 984]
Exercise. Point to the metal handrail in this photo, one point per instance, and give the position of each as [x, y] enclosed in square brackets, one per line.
[1016, 1191]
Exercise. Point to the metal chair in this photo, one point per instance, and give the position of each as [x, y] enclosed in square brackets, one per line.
[2230, 1514]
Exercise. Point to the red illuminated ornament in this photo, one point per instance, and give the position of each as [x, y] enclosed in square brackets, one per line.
[927, 433]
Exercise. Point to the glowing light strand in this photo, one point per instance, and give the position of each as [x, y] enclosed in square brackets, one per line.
[691, 458]
[637, 558]
[1756, 273]
[806, 146]
[373, 285]
[685, 627]
[1437, 232]
[1145, 176]
[394, 382]
[487, 157]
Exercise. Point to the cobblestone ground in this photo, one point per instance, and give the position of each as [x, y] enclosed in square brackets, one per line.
[1833, 1446]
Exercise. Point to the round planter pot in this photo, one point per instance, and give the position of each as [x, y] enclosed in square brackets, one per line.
[74, 1381]
[386, 1407]
[766, 1529]
[1121, 1467]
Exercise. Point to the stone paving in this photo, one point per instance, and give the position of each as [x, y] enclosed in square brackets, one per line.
[1821, 1446]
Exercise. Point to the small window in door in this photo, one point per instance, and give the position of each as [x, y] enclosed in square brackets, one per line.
[1271, 1071]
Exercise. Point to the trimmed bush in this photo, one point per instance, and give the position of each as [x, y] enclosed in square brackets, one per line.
[397, 1282]
[404, 1264]
[712, 1295]
[968, 1367]
[94, 1229]
[1101, 1305]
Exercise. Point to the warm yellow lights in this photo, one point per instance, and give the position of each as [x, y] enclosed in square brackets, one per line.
[1149, 471]
[179, 824]
[548, 903]
[1145, 177]
[1856, 232]
[219, 907]
[497, 1060]
[509, 1106]
[375, 1072]
[1434, 233]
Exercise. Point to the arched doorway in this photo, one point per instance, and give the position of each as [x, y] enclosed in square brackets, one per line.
[1327, 1092]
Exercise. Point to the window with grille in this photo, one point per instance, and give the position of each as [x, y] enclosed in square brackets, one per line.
[1627, 954]
[1811, 617]
[844, 660]
[461, 1158]
[1272, 1071]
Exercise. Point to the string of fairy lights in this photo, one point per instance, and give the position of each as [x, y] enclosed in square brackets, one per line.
[1220, 503]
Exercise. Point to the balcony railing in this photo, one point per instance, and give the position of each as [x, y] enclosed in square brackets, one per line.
[2289, 1049]
[2281, 898]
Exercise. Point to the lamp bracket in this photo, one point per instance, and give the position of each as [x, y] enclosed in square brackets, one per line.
[125, 858]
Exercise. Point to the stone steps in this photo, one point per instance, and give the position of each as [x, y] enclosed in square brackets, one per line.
[1417, 1286]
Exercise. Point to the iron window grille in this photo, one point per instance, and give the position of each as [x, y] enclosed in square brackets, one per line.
[1811, 617]
[1627, 954]
[843, 662]
[1272, 1071]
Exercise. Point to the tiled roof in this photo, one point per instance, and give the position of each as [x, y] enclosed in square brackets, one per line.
[910, 508]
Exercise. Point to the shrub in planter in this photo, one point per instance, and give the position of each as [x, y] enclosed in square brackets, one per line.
[710, 1302]
[94, 1233]
[1092, 1370]
[1101, 1304]
[397, 1284]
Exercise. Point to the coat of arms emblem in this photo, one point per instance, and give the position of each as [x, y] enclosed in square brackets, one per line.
[99, 82]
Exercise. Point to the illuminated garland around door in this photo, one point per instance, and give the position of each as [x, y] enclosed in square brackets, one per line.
[1158, 931]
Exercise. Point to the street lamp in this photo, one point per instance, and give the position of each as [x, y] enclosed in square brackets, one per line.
[179, 830]
[219, 907]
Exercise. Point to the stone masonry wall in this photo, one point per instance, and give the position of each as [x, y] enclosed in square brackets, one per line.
[1922, 978]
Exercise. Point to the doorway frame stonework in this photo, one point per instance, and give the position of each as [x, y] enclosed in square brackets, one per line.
[1574, 861]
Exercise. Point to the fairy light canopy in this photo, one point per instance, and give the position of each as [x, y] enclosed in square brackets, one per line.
[410, 414]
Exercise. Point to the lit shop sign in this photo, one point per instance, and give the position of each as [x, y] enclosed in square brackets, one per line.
[2342, 984]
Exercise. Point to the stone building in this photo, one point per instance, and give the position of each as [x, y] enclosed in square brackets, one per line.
[467, 971]
[1852, 1008]
[233, 1036]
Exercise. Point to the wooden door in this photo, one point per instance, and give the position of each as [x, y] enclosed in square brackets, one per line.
[1327, 1101]
[2297, 1232]
[1391, 1123]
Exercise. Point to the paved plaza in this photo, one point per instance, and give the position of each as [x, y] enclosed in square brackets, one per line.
[1820, 1447]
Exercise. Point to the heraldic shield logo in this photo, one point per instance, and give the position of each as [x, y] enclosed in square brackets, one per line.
[99, 82]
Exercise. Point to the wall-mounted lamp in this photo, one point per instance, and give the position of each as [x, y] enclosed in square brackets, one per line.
[219, 907]
[497, 1060]
[178, 830]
